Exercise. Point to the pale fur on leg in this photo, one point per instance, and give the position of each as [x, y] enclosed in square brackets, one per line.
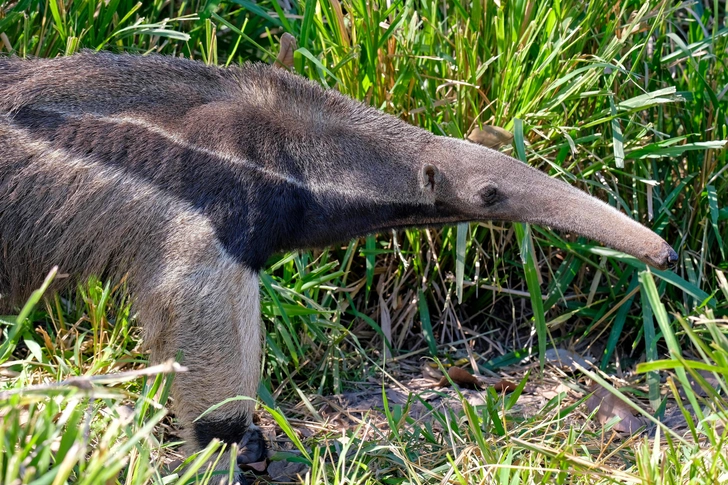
[205, 305]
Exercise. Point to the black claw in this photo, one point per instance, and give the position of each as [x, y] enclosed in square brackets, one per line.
[253, 448]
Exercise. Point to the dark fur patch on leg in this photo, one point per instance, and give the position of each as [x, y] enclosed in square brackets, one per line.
[228, 430]
[253, 448]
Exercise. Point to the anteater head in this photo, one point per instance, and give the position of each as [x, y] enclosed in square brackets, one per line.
[393, 175]
[477, 183]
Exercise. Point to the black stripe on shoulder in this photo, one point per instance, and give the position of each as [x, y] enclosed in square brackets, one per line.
[252, 213]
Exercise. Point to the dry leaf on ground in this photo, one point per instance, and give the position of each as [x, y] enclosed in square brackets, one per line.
[566, 359]
[491, 136]
[697, 387]
[610, 406]
[286, 471]
[459, 376]
[504, 386]
[285, 56]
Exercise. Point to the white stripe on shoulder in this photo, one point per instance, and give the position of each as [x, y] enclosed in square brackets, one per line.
[60, 161]
[179, 141]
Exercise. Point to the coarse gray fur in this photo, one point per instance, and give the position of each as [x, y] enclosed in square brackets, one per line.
[185, 178]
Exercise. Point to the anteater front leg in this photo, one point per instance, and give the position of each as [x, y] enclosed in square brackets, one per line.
[204, 306]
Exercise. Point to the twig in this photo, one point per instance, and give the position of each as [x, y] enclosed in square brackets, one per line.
[88, 382]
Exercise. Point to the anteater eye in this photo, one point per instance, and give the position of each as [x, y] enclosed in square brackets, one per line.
[489, 195]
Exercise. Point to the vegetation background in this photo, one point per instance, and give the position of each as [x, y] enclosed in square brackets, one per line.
[624, 99]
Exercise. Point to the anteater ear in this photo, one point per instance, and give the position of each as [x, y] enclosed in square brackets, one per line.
[429, 177]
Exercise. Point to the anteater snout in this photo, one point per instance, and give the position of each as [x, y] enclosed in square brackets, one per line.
[665, 257]
[671, 257]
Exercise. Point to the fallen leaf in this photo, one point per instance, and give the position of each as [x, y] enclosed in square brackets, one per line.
[9, 373]
[490, 136]
[286, 471]
[697, 386]
[431, 372]
[257, 467]
[566, 359]
[285, 55]
[610, 407]
[459, 376]
[126, 413]
[552, 392]
[504, 386]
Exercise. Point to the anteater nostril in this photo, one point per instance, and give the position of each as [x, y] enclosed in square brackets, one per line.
[664, 258]
[489, 194]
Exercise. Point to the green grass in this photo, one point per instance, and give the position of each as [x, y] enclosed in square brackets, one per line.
[626, 100]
